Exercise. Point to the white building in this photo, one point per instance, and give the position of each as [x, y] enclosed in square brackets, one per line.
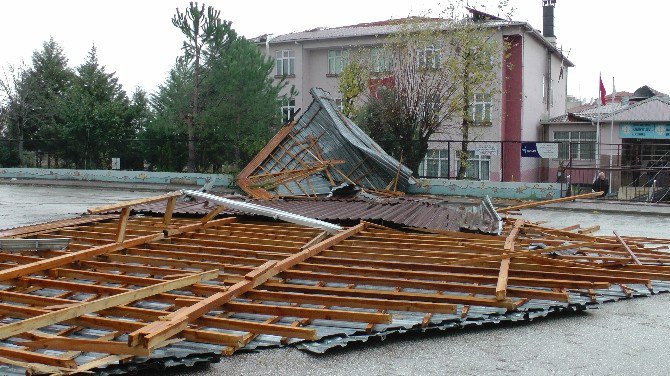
[533, 88]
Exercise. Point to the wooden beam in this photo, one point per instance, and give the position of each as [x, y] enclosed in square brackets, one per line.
[127, 204]
[81, 309]
[630, 251]
[123, 223]
[212, 213]
[42, 265]
[547, 202]
[169, 209]
[173, 322]
[26, 230]
[503, 274]
[33, 357]
[86, 345]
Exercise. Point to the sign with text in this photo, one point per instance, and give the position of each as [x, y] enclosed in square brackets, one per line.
[539, 149]
[486, 150]
[648, 131]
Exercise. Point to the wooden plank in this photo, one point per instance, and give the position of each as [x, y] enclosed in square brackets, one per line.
[313, 313]
[46, 319]
[86, 345]
[546, 202]
[503, 274]
[126, 204]
[25, 230]
[38, 266]
[630, 251]
[169, 210]
[33, 357]
[170, 326]
[212, 213]
[123, 223]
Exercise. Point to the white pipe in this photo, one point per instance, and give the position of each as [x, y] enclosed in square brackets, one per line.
[265, 211]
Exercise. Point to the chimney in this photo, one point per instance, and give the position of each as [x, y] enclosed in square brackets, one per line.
[548, 20]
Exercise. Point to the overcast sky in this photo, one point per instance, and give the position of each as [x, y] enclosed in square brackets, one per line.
[621, 38]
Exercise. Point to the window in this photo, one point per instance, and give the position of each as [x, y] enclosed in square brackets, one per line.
[480, 109]
[380, 59]
[576, 144]
[337, 59]
[430, 109]
[479, 166]
[285, 62]
[435, 164]
[429, 57]
[287, 109]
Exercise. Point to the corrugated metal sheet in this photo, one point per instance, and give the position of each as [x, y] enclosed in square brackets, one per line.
[323, 134]
[428, 214]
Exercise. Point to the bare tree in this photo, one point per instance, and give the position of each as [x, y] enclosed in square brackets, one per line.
[435, 67]
[13, 107]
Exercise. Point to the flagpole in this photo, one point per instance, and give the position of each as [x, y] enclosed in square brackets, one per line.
[598, 130]
[612, 136]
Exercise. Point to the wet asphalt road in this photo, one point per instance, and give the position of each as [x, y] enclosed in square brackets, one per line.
[625, 338]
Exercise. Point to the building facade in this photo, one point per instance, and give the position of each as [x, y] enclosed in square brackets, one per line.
[532, 88]
[630, 132]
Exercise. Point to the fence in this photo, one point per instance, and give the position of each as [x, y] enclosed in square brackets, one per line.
[164, 154]
[635, 170]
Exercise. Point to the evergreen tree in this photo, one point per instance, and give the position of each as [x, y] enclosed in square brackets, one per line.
[165, 137]
[98, 119]
[241, 105]
[206, 37]
[45, 84]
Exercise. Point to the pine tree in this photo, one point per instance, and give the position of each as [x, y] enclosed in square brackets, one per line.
[98, 116]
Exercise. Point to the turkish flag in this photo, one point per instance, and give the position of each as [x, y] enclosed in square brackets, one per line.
[603, 93]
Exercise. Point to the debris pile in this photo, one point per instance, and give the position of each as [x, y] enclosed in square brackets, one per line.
[132, 290]
[319, 152]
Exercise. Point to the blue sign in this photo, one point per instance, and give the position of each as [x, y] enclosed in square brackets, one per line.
[648, 131]
[539, 149]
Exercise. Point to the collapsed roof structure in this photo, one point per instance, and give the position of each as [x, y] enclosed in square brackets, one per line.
[132, 290]
[321, 150]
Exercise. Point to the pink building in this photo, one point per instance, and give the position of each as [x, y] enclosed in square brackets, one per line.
[532, 88]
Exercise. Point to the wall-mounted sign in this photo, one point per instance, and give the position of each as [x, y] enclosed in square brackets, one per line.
[539, 149]
[486, 149]
[650, 131]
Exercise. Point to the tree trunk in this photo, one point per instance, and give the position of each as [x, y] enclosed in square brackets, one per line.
[190, 166]
[465, 137]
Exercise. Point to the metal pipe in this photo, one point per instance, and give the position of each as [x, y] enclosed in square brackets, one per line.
[250, 208]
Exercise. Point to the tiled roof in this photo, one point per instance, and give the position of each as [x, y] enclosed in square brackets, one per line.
[379, 28]
[382, 28]
[656, 108]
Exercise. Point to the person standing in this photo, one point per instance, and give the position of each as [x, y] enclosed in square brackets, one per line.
[601, 184]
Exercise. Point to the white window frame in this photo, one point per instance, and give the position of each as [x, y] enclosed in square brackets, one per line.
[285, 62]
[476, 165]
[337, 60]
[440, 159]
[380, 60]
[575, 142]
[287, 109]
[429, 57]
[480, 108]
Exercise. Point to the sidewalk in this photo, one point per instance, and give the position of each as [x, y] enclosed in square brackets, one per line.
[147, 187]
[583, 205]
[606, 206]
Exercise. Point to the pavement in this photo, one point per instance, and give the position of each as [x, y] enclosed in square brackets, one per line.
[586, 205]
[628, 337]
